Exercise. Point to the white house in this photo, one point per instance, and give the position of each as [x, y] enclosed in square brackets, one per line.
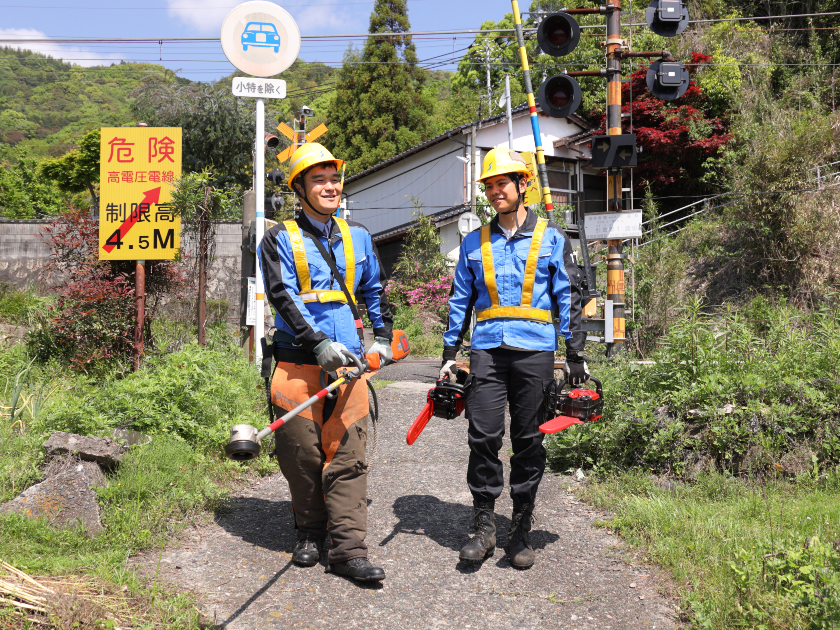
[439, 175]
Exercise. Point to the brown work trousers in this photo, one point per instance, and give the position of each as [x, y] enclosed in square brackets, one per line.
[326, 500]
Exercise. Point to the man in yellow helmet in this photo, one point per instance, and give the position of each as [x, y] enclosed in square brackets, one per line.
[518, 274]
[313, 266]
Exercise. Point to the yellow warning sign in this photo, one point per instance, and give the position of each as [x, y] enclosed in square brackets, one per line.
[532, 192]
[137, 168]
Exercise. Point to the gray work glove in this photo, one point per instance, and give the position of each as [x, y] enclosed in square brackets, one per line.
[330, 355]
[575, 369]
[448, 369]
[383, 347]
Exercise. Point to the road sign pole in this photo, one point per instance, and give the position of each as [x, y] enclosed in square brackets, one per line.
[259, 190]
[140, 304]
[615, 203]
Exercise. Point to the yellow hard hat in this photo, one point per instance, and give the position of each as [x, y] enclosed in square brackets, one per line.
[503, 162]
[310, 154]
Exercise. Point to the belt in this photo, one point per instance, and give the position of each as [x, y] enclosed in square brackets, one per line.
[293, 355]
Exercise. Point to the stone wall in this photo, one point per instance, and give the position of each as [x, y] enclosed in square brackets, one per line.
[23, 253]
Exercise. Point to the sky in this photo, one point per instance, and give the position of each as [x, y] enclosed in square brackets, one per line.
[62, 19]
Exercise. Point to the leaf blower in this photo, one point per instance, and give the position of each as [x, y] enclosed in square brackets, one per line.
[445, 400]
[573, 407]
[245, 440]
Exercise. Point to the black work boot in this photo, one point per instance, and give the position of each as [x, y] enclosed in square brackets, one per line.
[520, 550]
[358, 569]
[307, 551]
[483, 544]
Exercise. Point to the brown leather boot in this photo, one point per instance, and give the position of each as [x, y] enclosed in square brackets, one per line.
[483, 544]
[520, 550]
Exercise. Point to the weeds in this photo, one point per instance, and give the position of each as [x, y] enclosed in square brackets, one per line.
[745, 554]
[739, 391]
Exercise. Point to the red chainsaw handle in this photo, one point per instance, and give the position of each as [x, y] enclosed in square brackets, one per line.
[558, 424]
[420, 423]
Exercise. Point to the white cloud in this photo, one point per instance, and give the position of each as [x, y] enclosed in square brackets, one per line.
[311, 19]
[197, 14]
[71, 54]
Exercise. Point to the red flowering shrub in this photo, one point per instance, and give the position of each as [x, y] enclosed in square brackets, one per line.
[676, 137]
[428, 295]
[92, 322]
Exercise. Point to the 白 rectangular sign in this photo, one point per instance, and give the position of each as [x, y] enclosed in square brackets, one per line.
[138, 166]
[612, 225]
[258, 88]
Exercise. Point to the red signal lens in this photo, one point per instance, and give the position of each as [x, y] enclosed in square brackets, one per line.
[558, 32]
[559, 96]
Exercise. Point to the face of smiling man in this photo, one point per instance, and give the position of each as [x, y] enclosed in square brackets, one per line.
[322, 191]
[503, 193]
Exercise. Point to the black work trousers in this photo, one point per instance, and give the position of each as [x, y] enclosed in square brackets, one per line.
[502, 377]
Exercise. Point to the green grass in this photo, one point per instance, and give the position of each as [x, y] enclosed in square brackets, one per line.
[744, 555]
[422, 344]
[17, 306]
[187, 400]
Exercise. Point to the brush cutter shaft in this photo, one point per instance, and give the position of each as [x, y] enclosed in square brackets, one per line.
[360, 369]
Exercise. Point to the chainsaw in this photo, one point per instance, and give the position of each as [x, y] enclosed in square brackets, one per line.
[573, 407]
[445, 400]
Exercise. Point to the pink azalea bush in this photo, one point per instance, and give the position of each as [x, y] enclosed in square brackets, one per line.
[429, 294]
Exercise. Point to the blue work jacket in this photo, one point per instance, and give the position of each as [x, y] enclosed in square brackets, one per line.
[556, 289]
[311, 322]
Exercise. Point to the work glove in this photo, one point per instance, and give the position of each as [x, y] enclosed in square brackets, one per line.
[330, 355]
[382, 346]
[575, 368]
[448, 369]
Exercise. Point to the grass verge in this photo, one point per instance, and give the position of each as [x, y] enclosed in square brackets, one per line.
[745, 555]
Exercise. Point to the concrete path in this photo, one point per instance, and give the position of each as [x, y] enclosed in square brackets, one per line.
[419, 513]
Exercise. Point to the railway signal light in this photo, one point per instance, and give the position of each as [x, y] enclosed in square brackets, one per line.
[276, 176]
[274, 204]
[667, 80]
[271, 141]
[558, 35]
[559, 96]
[667, 18]
[614, 151]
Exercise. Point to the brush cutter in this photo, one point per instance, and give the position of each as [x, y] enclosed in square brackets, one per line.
[245, 440]
[573, 407]
[445, 400]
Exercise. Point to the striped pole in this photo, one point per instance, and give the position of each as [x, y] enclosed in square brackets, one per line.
[532, 106]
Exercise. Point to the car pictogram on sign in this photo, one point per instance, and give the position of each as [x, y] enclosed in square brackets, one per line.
[262, 34]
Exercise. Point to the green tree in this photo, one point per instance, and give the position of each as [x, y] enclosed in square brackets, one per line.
[23, 194]
[380, 108]
[218, 131]
[77, 171]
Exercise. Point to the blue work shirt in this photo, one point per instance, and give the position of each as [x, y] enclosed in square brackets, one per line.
[556, 289]
[312, 322]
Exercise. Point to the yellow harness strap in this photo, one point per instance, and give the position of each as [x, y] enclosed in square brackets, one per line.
[307, 294]
[525, 310]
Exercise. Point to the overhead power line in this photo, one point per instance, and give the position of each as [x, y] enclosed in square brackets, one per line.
[501, 31]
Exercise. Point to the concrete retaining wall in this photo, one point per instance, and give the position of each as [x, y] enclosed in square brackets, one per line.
[23, 253]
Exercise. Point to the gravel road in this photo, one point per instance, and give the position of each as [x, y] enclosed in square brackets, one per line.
[239, 567]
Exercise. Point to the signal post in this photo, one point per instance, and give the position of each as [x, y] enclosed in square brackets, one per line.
[560, 95]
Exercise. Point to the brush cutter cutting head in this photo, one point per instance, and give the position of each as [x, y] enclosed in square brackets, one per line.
[243, 445]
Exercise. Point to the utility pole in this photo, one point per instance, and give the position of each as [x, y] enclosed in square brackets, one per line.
[472, 166]
[507, 112]
[615, 195]
[487, 74]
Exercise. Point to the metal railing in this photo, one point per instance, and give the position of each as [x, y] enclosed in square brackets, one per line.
[826, 174]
